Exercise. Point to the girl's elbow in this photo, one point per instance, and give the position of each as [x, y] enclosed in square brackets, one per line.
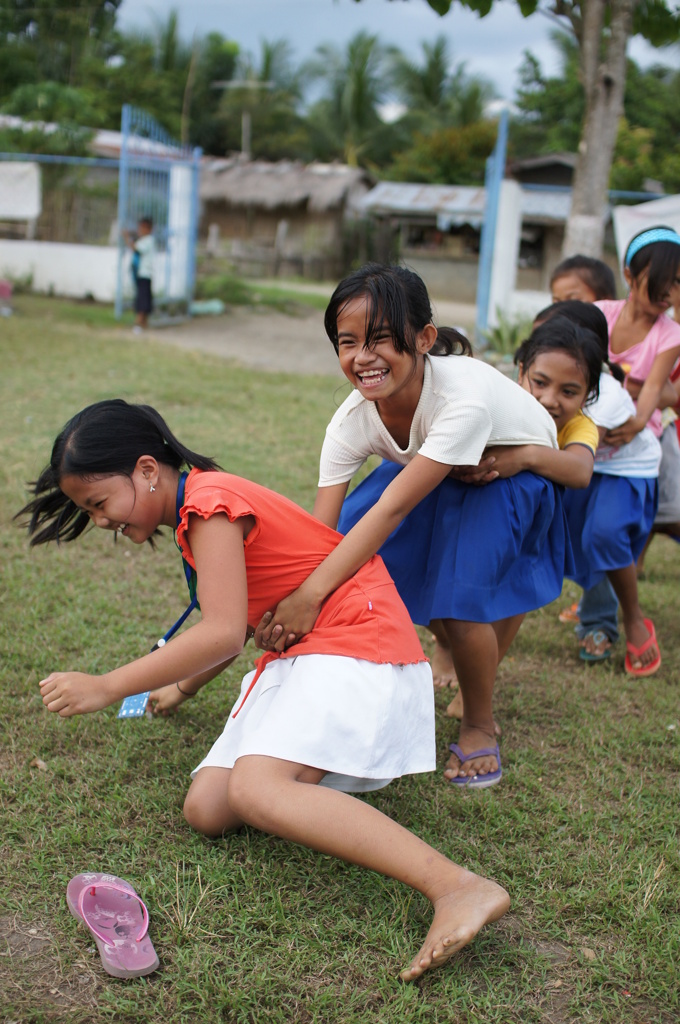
[582, 480]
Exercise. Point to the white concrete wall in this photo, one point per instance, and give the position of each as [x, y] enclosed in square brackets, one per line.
[75, 271]
[506, 249]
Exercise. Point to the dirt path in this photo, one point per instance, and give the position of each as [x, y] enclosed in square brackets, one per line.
[277, 342]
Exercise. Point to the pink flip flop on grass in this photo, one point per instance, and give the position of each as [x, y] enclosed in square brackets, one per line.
[118, 921]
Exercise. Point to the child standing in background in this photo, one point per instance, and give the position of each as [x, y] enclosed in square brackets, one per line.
[143, 252]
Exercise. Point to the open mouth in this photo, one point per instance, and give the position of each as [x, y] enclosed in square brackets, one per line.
[122, 528]
[369, 378]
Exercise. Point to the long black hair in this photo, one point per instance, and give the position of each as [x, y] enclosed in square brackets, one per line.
[397, 298]
[558, 333]
[104, 439]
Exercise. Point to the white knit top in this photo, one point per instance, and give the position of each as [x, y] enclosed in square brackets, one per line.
[465, 406]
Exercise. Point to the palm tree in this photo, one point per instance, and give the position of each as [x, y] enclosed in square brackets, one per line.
[356, 84]
[436, 93]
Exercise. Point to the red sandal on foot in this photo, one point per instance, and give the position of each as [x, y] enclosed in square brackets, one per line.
[633, 654]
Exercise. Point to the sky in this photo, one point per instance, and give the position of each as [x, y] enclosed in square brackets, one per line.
[491, 46]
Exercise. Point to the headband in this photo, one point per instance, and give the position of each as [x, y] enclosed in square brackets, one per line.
[647, 238]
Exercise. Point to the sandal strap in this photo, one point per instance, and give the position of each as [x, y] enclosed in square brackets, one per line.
[651, 640]
[89, 890]
[482, 752]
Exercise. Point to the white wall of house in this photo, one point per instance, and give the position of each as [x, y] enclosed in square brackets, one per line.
[73, 271]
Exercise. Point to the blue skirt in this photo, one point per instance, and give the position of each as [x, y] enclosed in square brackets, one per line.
[479, 554]
[609, 522]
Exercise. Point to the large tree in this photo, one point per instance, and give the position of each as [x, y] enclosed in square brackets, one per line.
[602, 29]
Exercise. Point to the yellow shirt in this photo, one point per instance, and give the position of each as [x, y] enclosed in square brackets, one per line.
[580, 429]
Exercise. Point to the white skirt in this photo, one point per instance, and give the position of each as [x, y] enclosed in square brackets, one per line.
[363, 723]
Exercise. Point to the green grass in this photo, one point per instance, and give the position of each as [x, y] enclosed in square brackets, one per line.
[237, 291]
[582, 830]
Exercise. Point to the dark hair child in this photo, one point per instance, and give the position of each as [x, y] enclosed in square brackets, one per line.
[348, 709]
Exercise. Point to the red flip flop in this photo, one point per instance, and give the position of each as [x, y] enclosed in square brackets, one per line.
[633, 654]
[118, 920]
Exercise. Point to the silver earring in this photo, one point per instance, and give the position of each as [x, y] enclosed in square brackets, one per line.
[152, 488]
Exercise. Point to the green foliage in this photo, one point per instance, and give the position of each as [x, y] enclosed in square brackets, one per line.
[449, 156]
[355, 85]
[509, 333]
[552, 110]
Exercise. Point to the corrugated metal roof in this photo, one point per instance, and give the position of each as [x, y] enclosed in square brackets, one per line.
[461, 204]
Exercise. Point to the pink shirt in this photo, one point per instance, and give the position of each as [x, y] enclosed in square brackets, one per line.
[664, 334]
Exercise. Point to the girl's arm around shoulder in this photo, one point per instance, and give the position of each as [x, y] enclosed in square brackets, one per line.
[217, 547]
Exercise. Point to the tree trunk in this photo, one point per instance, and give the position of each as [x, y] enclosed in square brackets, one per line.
[603, 72]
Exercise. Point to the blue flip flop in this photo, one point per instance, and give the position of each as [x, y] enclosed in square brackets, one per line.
[598, 637]
[477, 781]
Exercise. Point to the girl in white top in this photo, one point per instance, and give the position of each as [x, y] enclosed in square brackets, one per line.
[477, 558]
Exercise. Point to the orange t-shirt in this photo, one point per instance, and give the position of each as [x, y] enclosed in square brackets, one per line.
[364, 618]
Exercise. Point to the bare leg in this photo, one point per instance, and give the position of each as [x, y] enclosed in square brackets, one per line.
[474, 646]
[268, 794]
[624, 582]
[640, 567]
[506, 631]
[443, 670]
[206, 805]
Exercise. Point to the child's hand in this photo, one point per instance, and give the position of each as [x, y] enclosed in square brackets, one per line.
[624, 433]
[292, 619]
[74, 693]
[483, 473]
[165, 699]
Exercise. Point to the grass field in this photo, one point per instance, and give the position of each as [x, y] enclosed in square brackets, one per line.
[582, 830]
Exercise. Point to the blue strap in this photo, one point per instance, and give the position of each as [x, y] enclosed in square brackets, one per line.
[189, 573]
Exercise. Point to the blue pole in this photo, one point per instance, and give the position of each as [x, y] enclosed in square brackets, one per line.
[122, 205]
[193, 225]
[495, 169]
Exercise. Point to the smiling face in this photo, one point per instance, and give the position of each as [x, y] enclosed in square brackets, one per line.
[379, 373]
[559, 383]
[120, 503]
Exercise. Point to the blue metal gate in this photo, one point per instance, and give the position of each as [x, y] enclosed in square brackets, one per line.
[159, 179]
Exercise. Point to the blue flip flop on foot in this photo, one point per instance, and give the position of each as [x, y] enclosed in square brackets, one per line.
[477, 781]
[598, 637]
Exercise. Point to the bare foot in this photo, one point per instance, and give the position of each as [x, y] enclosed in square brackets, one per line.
[469, 741]
[443, 672]
[458, 916]
[455, 708]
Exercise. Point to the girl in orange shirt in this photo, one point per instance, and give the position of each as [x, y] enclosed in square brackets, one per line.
[346, 710]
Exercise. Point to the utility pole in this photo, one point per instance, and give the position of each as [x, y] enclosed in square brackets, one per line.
[246, 120]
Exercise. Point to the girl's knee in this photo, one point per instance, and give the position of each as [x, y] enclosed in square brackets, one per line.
[198, 813]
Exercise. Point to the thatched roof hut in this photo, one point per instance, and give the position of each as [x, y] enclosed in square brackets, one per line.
[281, 217]
[285, 185]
